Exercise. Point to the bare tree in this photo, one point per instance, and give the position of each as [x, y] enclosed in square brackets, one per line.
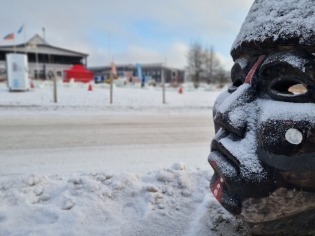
[195, 62]
[212, 65]
[204, 65]
[222, 76]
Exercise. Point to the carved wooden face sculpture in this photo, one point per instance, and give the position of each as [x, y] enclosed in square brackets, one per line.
[263, 153]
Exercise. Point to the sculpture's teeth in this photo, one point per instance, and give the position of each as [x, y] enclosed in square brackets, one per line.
[217, 189]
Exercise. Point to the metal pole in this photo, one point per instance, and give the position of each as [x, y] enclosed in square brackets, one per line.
[111, 88]
[55, 86]
[109, 46]
[163, 84]
[14, 43]
[44, 33]
[24, 33]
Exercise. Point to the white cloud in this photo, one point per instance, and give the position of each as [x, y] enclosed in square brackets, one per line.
[174, 56]
[76, 24]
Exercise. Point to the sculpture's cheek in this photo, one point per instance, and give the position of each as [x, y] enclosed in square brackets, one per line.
[286, 137]
[286, 128]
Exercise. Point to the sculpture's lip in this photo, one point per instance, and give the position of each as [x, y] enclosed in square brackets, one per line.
[220, 189]
[226, 174]
[217, 188]
[217, 146]
[223, 166]
[222, 152]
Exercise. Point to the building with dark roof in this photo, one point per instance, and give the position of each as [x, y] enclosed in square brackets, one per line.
[155, 71]
[44, 58]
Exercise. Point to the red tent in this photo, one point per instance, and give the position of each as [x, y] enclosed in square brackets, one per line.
[79, 73]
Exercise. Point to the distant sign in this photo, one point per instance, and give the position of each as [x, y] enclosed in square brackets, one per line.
[17, 74]
[139, 69]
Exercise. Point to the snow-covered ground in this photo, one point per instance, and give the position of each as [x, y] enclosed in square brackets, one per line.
[64, 189]
[130, 99]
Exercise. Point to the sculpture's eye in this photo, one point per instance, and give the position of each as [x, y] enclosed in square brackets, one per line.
[238, 74]
[288, 89]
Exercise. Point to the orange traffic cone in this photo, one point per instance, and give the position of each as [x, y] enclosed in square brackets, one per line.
[180, 90]
[90, 87]
[32, 85]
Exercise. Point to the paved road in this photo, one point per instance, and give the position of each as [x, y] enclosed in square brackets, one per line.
[61, 144]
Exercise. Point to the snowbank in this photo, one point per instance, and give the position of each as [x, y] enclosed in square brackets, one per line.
[171, 201]
[97, 101]
[167, 201]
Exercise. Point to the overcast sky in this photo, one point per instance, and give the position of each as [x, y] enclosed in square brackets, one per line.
[128, 31]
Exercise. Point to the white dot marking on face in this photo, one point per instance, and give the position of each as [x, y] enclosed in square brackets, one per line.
[221, 180]
[215, 192]
[293, 136]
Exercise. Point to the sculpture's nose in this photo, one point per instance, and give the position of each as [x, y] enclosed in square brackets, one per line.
[231, 113]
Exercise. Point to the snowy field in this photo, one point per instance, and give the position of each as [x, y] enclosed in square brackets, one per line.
[87, 167]
[131, 100]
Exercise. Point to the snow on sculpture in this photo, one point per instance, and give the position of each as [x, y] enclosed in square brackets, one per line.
[263, 153]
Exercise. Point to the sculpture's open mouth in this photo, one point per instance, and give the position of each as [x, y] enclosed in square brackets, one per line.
[217, 188]
[225, 176]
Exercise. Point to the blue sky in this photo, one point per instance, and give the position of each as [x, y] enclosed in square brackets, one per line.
[129, 31]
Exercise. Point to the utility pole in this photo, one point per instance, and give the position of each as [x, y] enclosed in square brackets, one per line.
[44, 33]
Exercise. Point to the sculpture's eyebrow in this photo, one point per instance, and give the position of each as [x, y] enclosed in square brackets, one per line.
[291, 59]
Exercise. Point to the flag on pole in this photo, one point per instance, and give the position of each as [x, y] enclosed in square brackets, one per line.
[21, 29]
[9, 37]
[139, 69]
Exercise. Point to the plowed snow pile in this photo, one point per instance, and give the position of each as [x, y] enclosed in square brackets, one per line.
[165, 202]
[171, 201]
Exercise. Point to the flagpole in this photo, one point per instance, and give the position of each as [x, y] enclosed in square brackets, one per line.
[37, 63]
[14, 43]
[25, 48]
